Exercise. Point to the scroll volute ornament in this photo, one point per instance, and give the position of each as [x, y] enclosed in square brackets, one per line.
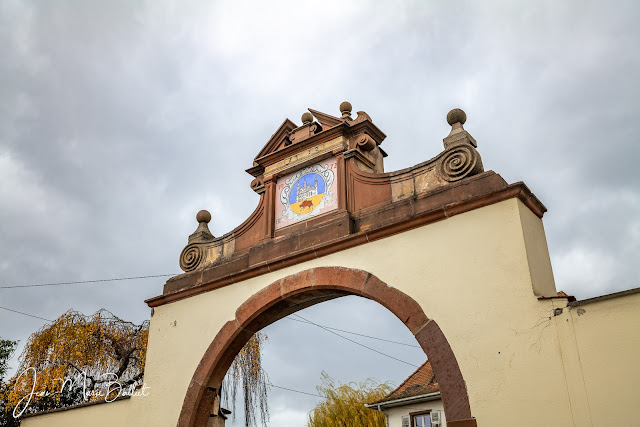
[460, 158]
[193, 253]
[257, 184]
[289, 139]
[191, 257]
[365, 142]
[459, 162]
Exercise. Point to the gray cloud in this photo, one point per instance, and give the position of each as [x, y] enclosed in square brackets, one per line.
[120, 120]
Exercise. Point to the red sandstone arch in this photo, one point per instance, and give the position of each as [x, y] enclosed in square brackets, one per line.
[302, 290]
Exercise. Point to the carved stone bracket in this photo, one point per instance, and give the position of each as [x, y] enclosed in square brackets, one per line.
[257, 185]
[365, 142]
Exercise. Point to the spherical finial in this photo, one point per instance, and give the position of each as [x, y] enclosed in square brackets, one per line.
[345, 108]
[456, 116]
[307, 118]
[203, 216]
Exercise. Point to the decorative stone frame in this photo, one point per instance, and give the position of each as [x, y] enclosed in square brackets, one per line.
[304, 289]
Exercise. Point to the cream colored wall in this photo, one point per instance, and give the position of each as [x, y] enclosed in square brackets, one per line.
[471, 273]
[117, 413]
[601, 351]
[394, 415]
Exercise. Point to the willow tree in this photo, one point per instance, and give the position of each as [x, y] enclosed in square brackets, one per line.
[343, 404]
[78, 358]
[247, 376]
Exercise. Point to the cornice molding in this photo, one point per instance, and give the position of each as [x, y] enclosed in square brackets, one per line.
[368, 225]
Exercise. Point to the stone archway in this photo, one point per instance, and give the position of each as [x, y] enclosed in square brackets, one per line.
[301, 290]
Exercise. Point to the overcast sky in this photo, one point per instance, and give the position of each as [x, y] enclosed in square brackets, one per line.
[120, 120]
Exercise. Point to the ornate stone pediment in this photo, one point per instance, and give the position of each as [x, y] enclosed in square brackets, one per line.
[324, 181]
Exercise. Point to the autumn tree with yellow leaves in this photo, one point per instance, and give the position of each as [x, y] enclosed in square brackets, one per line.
[78, 358]
[343, 404]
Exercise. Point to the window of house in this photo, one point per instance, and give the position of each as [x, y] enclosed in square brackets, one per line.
[421, 419]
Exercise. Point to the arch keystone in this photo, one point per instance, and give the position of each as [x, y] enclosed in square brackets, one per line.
[340, 278]
[295, 283]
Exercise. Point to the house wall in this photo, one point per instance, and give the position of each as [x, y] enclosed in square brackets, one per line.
[116, 413]
[477, 274]
[600, 351]
[394, 415]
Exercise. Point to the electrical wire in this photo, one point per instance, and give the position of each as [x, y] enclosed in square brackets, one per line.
[25, 314]
[85, 281]
[355, 333]
[166, 275]
[303, 321]
[356, 342]
[296, 391]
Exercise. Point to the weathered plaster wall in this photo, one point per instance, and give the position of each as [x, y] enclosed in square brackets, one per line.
[473, 275]
[394, 415]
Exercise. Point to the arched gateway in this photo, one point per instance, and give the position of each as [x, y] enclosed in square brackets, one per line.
[456, 253]
[301, 290]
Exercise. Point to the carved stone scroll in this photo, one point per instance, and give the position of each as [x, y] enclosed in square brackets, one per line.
[191, 257]
[459, 162]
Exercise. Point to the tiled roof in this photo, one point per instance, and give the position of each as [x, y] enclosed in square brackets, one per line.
[422, 381]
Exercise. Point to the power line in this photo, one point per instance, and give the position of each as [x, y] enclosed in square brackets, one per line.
[307, 393]
[272, 385]
[355, 333]
[327, 328]
[26, 314]
[85, 281]
[296, 391]
[356, 342]
[166, 275]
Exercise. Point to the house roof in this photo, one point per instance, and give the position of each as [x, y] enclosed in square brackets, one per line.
[422, 381]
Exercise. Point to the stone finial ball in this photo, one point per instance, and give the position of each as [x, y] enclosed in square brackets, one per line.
[345, 107]
[203, 216]
[456, 116]
[307, 118]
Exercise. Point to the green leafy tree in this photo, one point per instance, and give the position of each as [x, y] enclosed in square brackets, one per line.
[7, 347]
[343, 404]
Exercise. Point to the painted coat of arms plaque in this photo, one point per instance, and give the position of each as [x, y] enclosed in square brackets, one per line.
[306, 193]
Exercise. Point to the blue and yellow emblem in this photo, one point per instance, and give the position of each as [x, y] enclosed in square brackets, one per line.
[306, 193]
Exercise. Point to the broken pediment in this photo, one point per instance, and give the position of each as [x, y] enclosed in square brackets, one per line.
[326, 120]
[319, 135]
[277, 140]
